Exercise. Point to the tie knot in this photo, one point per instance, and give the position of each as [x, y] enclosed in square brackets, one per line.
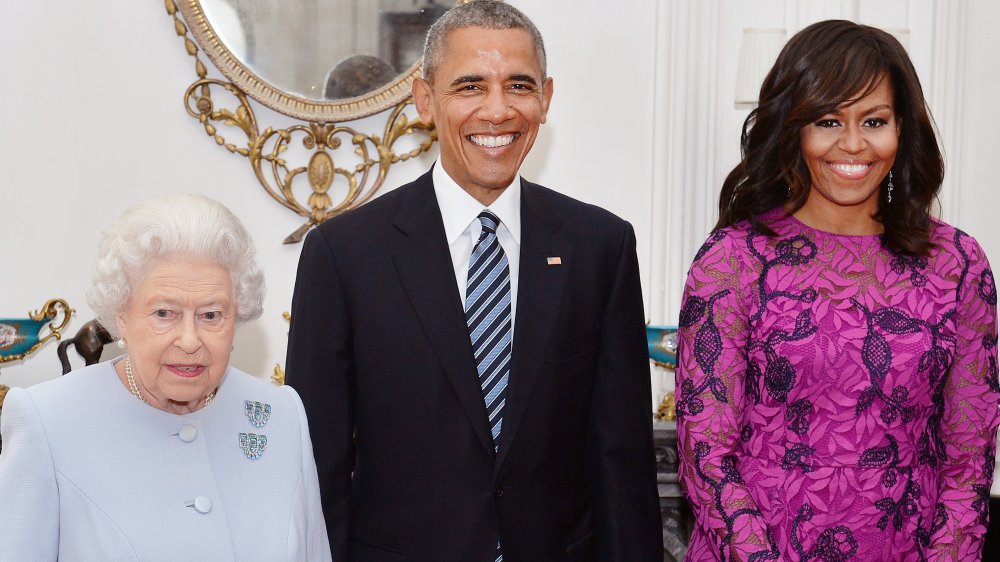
[490, 222]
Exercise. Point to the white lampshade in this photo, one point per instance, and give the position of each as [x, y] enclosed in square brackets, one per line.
[758, 50]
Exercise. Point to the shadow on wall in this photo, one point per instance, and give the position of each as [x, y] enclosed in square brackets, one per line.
[251, 347]
[537, 162]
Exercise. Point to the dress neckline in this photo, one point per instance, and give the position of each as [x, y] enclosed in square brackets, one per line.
[778, 215]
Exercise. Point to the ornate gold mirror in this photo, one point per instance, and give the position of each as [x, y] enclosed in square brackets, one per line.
[320, 61]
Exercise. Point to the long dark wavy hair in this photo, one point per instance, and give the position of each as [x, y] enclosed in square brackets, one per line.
[824, 66]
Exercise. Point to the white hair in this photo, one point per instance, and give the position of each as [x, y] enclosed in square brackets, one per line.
[189, 224]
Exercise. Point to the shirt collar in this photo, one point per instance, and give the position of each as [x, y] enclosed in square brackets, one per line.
[459, 209]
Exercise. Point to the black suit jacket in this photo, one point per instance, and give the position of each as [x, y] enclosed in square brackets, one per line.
[380, 353]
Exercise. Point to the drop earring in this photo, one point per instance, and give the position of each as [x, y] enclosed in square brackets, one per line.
[888, 188]
[121, 343]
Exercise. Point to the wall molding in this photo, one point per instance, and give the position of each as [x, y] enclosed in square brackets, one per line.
[946, 98]
[684, 146]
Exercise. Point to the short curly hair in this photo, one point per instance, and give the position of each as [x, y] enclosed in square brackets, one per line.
[487, 14]
[176, 224]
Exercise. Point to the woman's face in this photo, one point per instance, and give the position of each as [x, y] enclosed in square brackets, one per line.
[849, 153]
[179, 327]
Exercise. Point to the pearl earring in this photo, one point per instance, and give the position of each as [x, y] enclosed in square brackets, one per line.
[121, 343]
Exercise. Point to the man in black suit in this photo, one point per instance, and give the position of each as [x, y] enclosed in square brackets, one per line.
[470, 347]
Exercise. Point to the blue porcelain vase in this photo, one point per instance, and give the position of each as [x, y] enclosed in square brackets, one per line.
[662, 344]
[21, 336]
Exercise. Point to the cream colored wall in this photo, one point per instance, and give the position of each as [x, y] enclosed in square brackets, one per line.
[92, 121]
[978, 156]
[698, 124]
[642, 123]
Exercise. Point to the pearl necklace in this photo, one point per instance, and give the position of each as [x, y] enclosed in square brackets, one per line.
[134, 388]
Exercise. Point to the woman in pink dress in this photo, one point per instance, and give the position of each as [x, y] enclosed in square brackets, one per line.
[838, 347]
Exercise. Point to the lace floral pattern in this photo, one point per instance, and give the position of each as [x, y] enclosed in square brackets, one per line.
[837, 401]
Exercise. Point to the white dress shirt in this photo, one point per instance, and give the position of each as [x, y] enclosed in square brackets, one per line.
[460, 212]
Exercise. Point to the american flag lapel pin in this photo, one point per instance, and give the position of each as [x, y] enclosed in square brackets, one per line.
[555, 260]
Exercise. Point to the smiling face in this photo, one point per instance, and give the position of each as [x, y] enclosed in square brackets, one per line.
[487, 101]
[179, 325]
[849, 154]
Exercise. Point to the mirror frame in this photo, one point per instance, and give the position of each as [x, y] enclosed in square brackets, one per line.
[281, 173]
[317, 111]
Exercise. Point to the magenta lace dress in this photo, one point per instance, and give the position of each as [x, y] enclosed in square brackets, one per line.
[837, 401]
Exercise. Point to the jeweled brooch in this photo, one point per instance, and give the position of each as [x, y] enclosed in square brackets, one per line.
[257, 412]
[253, 445]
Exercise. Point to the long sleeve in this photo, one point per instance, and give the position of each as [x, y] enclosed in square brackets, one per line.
[711, 379]
[314, 536]
[29, 497]
[966, 401]
[620, 434]
[320, 365]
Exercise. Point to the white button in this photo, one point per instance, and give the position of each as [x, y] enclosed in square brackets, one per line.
[202, 504]
[187, 433]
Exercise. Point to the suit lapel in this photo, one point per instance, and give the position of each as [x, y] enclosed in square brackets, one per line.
[540, 288]
[424, 265]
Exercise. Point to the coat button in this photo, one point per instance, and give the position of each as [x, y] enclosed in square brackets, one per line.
[202, 504]
[187, 433]
[498, 492]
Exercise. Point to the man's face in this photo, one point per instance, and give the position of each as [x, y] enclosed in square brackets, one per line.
[487, 100]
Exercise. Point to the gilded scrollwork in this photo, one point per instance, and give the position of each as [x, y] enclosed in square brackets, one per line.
[267, 150]
[29, 332]
[278, 377]
[667, 410]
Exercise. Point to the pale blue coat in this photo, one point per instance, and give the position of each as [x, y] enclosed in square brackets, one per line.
[88, 472]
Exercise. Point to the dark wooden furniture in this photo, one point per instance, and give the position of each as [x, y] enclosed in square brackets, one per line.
[677, 517]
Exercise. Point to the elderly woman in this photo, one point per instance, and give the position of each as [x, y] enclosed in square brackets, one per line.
[838, 362]
[166, 453]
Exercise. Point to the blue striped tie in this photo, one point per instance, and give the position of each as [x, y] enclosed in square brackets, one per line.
[487, 311]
